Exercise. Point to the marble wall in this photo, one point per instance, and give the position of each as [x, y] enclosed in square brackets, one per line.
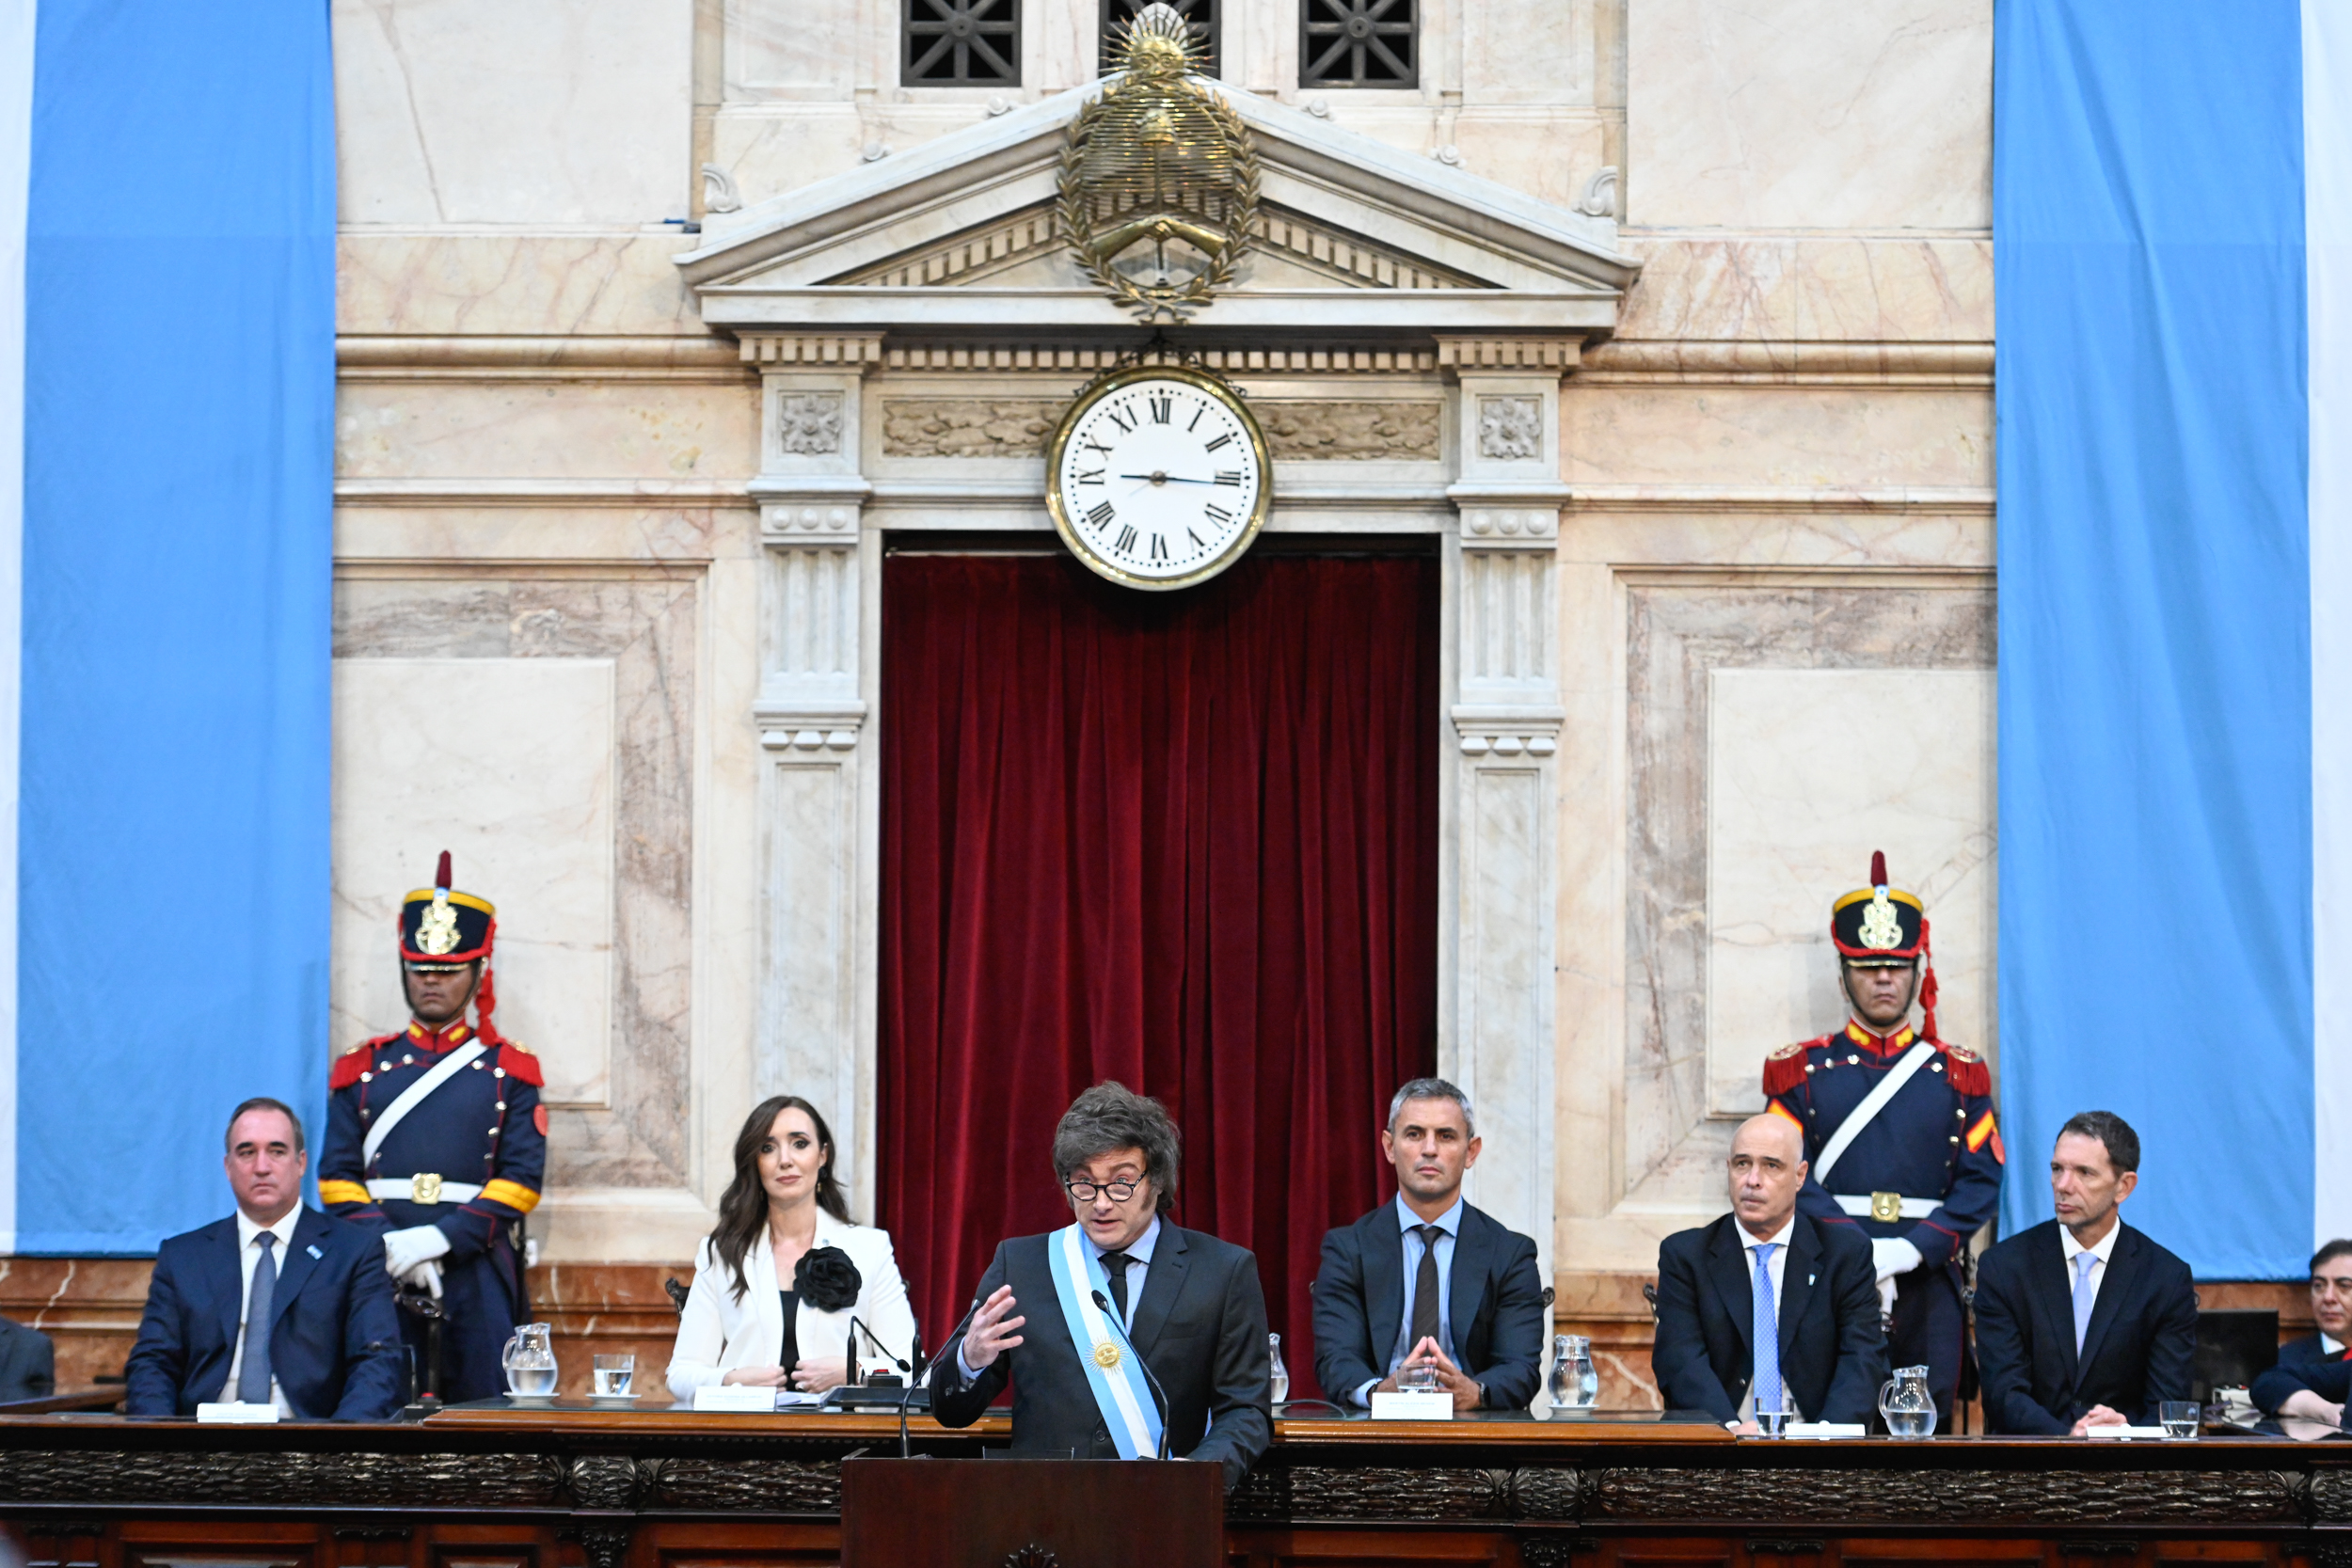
[1778, 528]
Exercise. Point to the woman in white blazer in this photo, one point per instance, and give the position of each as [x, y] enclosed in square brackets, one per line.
[783, 1240]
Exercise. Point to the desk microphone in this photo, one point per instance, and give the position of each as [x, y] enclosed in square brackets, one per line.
[1157, 1392]
[923, 1369]
[858, 1324]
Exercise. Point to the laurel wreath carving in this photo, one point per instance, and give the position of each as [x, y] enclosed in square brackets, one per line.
[1077, 222]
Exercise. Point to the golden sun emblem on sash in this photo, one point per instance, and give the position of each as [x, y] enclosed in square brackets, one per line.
[1159, 177]
[1880, 928]
[436, 928]
[1105, 1355]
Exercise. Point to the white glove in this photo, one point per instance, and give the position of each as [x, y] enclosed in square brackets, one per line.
[404, 1249]
[1892, 1255]
[1886, 1296]
[425, 1277]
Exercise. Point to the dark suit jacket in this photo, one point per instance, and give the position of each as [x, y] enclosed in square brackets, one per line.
[2301, 1365]
[2140, 1349]
[28, 1363]
[334, 1341]
[1200, 1328]
[1494, 1292]
[1833, 1354]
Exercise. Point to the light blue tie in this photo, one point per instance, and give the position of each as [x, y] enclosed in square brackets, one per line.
[1767, 1330]
[2083, 1261]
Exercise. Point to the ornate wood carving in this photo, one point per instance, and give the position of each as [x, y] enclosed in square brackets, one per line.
[768, 1485]
[1949, 1496]
[291, 1479]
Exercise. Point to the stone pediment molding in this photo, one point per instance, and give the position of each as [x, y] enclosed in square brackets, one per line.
[1354, 239]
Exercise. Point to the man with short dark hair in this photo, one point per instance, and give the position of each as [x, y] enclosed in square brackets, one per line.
[2082, 1321]
[1427, 1280]
[276, 1304]
[1769, 1309]
[1120, 1289]
[2314, 1371]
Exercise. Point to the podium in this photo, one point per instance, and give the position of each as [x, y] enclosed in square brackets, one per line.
[1031, 1514]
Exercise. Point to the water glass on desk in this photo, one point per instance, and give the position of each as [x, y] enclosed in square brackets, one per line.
[1412, 1376]
[1775, 1423]
[616, 1376]
[2178, 1418]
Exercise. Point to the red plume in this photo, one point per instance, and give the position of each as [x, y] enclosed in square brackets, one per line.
[440, 877]
[1927, 986]
[1878, 867]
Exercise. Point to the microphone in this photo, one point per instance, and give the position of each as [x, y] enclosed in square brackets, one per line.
[1158, 1393]
[925, 1370]
[857, 1323]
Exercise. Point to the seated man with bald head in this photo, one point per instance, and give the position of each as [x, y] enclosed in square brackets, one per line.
[1765, 1301]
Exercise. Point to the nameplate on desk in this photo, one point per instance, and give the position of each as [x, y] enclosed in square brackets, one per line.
[1413, 1405]
[250, 1415]
[736, 1396]
[1825, 1431]
[2115, 1432]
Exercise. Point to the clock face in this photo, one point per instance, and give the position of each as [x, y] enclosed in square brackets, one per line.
[1157, 477]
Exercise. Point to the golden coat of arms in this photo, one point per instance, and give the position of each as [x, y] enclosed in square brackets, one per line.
[1159, 180]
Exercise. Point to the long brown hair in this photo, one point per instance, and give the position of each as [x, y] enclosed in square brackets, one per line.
[743, 1208]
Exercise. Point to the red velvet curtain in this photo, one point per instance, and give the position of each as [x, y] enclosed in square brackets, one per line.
[1187, 841]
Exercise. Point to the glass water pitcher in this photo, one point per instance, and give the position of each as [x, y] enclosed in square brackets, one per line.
[1906, 1404]
[530, 1362]
[1281, 1373]
[1575, 1382]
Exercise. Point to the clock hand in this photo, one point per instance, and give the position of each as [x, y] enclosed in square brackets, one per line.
[1168, 479]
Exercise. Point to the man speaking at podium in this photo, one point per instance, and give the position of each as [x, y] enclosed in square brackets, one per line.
[1148, 1338]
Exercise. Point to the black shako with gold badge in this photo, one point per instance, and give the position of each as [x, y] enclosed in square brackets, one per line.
[1916, 1163]
[435, 1137]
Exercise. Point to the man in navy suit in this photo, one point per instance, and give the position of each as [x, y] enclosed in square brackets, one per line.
[1767, 1275]
[2314, 1370]
[2083, 1322]
[1427, 1280]
[1124, 1335]
[276, 1304]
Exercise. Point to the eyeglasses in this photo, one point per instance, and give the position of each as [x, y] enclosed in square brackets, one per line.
[1118, 1192]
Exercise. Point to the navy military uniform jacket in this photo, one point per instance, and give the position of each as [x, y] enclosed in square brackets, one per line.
[484, 1127]
[1936, 1140]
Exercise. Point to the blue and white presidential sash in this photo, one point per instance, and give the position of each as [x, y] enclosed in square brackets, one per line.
[1112, 1369]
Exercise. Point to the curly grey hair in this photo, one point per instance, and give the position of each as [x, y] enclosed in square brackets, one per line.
[1112, 1116]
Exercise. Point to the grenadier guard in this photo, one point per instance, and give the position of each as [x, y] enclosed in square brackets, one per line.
[435, 1137]
[1899, 1127]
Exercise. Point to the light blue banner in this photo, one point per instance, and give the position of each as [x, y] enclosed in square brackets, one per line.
[2156, 807]
[179, 378]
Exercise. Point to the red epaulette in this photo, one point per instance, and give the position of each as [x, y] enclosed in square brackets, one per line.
[519, 1061]
[351, 1062]
[1965, 1068]
[1783, 1070]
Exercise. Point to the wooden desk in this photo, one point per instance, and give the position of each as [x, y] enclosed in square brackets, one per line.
[652, 1487]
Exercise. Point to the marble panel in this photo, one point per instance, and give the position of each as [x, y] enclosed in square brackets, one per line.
[569, 429]
[1776, 436]
[1676, 639]
[1813, 114]
[644, 625]
[792, 47]
[1527, 51]
[533, 112]
[1794, 808]
[552, 534]
[1864, 288]
[525, 808]
[514, 285]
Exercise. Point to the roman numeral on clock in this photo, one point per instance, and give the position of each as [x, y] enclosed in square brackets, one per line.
[1126, 427]
[1127, 539]
[1090, 476]
[1217, 515]
[1228, 476]
[1159, 547]
[1224, 440]
[1101, 516]
[1163, 408]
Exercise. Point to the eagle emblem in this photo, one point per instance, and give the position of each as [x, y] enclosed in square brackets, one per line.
[436, 927]
[1159, 177]
[1881, 929]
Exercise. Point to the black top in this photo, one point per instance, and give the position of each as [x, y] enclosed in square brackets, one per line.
[790, 1356]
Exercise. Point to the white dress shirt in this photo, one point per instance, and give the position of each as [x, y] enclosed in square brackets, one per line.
[1778, 1268]
[2329, 1345]
[2073, 1249]
[248, 1259]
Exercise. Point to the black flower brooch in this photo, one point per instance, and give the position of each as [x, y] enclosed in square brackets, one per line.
[826, 1279]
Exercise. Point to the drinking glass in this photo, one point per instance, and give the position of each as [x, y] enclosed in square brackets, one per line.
[1575, 1384]
[616, 1376]
[1775, 1423]
[1280, 1374]
[2178, 1418]
[1412, 1376]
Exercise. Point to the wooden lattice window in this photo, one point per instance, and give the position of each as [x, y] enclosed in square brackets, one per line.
[952, 42]
[1359, 43]
[1200, 14]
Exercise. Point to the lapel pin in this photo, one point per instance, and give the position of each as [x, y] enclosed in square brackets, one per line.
[1810, 1278]
[317, 1255]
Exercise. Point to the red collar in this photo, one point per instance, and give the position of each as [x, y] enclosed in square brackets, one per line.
[1881, 1045]
[447, 1038]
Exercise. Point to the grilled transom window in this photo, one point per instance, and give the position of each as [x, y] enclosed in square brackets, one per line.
[1202, 14]
[956, 42]
[1359, 43]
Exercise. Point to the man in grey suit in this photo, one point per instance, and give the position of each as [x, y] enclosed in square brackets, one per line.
[1427, 1280]
[1118, 1293]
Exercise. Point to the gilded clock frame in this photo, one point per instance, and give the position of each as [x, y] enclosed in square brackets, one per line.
[1212, 386]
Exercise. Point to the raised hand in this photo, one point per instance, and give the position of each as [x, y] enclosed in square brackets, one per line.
[994, 1330]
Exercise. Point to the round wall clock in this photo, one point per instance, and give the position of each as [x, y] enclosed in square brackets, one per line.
[1158, 476]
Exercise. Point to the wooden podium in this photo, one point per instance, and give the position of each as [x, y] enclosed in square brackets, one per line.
[1031, 1514]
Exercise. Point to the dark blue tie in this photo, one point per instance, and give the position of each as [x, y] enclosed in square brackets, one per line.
[253, 1372]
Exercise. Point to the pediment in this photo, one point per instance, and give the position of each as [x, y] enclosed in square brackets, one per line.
[1351, 235]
